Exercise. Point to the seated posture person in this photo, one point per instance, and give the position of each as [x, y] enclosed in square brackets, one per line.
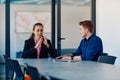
[38, 46]
[90, 47]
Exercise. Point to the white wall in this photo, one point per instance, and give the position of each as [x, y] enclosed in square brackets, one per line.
[70, 18]
[108, 26]
[2, 29]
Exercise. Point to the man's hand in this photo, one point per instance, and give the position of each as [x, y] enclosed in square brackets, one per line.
[77, 58]
[64, 57]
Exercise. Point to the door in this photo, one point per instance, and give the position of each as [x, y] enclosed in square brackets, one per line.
[69, 14]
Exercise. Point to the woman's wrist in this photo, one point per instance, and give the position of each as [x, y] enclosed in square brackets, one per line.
[47, 45]
[35, 47]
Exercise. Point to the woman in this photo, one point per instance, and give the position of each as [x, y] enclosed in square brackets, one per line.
[38, 46]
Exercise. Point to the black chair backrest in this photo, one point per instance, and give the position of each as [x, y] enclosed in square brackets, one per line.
[104, 54]
[17, 69]
[9, 67]
[33, 72]
[107, 59]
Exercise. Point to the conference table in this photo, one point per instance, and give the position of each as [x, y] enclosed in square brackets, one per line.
[74, 70]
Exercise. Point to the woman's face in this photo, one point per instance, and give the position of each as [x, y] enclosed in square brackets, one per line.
[38, 31]
[83, 31]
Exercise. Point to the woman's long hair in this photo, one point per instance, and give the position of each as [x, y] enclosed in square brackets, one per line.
[37, 24]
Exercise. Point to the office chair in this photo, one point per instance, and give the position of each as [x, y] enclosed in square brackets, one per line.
[10, 68]
[104, 54]
[107, 59]
[17, 69]
[34, 74]
[13, 67]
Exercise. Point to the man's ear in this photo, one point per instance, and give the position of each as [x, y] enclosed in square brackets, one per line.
[86, 30]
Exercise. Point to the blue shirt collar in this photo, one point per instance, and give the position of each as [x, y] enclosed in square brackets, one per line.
[89, 37]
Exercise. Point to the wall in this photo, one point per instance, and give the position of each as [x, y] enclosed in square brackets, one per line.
[70, 18]
[108, 27]
[2, 29]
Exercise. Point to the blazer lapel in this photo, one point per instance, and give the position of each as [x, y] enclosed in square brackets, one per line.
[32, 42]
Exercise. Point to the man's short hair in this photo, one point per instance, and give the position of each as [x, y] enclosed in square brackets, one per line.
[87, 24]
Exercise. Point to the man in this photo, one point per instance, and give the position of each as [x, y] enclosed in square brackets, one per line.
[91, 45]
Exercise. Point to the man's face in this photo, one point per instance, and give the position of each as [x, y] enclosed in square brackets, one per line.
[83, 31]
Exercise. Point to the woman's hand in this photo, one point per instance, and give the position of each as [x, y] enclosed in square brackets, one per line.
[45, 41]
[39, 42]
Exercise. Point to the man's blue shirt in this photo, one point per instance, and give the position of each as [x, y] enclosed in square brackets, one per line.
[90, 49]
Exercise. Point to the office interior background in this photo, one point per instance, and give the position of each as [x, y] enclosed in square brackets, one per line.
[72, 12]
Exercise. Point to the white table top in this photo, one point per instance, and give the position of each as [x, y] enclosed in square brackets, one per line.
[82, 70]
